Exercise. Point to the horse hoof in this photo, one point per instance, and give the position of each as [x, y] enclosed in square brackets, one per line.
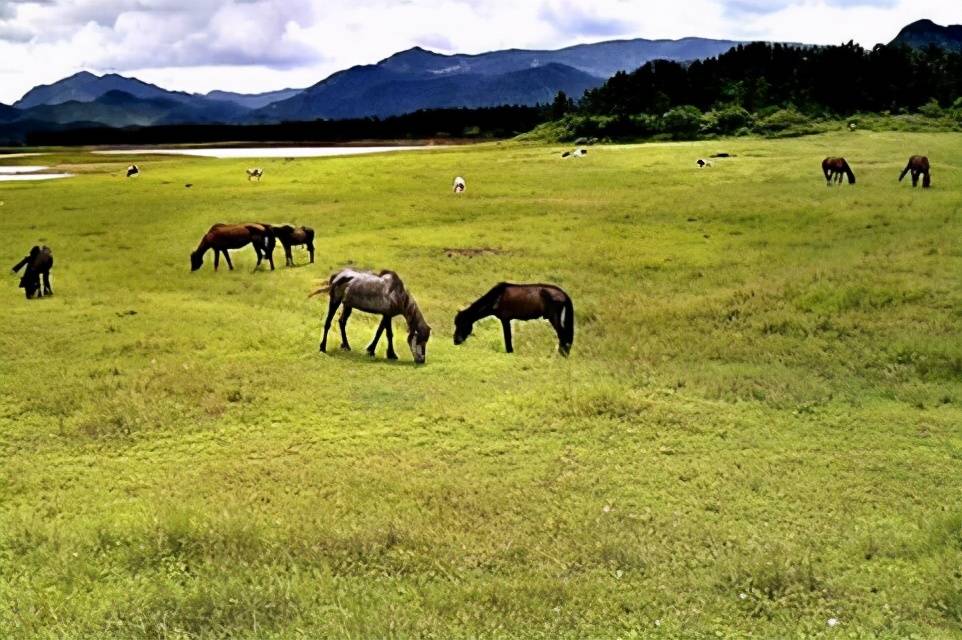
[345, 347]
[370, 352]
[392, 356]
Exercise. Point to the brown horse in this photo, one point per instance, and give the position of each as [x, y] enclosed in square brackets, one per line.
[222, 237]
[919, 166]
[509, 302]
[294, 236]
[38, 263]
[834, 168]
[380, 293]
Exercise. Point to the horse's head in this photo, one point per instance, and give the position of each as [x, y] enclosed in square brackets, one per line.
[418, 341]
[196, 260]
[462, 327]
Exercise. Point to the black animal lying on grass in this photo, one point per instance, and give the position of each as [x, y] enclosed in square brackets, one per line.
[37, 263]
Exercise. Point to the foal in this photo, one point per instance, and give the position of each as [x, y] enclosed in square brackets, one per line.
[222, 237]
[293, 236]
[918, 165]
[509, 302]
[38, 263]
[834, 168]
[381, 293]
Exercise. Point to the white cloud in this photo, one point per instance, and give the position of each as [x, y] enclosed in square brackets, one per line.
[254, 45]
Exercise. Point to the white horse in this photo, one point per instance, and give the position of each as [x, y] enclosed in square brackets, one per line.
[379, 293]
[459, 185]
[254, 172]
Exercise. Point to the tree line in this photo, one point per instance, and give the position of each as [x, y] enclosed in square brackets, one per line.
[481, 123]
[767, 87]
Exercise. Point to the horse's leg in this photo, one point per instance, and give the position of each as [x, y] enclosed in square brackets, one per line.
[915, 178]
[288, 256]
[391, 353]
[377, 336]
[554, 317]
[269, 250]
[506, 327]
[230, 265]
[331, 310]
[310, 248]
[46, 283]
[345, 314]
[257, 252]
[216, 259]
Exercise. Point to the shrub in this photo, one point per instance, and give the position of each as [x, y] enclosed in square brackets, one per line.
[728, 120]
[784, 120]
[931, 109]
[682, 122]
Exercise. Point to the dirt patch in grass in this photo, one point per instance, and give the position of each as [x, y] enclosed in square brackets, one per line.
[472, 252]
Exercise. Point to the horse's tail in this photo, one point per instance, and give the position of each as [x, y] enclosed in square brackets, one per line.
[567, 325]
[848, 171]
[337, 279]
[905, 170]
[324, 289]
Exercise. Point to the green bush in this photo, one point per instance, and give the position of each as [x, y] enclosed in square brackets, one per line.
[728, 120]
[682, 122]
[782, 121]
[931, 109]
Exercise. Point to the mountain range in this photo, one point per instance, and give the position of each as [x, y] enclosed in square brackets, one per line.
[406, 81]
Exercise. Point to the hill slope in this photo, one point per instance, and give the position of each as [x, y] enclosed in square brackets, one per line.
[421, 79]
[923, 33]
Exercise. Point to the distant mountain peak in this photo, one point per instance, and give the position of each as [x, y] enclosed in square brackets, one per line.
[923, 33]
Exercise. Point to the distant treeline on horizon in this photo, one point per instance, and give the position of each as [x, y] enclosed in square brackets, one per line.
[487, 122]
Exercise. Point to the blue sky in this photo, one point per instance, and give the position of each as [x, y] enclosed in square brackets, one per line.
[257, 45]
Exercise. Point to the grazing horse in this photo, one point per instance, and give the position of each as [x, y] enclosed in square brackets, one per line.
[254, 172]
[38, 263]
[380, 293]
[509, 302]
[222, 237]
[702, 163]
[919, 166]
[133, 170]
[459, 185]
[291, 236]
[834, 168]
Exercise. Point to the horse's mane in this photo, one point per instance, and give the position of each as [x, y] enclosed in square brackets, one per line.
[412, 314]
[489, 299]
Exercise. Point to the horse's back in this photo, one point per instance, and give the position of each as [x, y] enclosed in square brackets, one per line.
[529, 301]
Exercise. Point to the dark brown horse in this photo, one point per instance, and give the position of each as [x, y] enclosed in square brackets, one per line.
[508, 302]
[294, 236]
[38, 263]
[835, 168]
[222, 237]
[919, 166]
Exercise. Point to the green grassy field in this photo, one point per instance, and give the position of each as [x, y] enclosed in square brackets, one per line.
[759, 428]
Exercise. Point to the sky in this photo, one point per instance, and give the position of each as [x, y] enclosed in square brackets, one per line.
[260, 45]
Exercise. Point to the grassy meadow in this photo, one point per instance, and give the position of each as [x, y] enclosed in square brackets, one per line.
[758, 432]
